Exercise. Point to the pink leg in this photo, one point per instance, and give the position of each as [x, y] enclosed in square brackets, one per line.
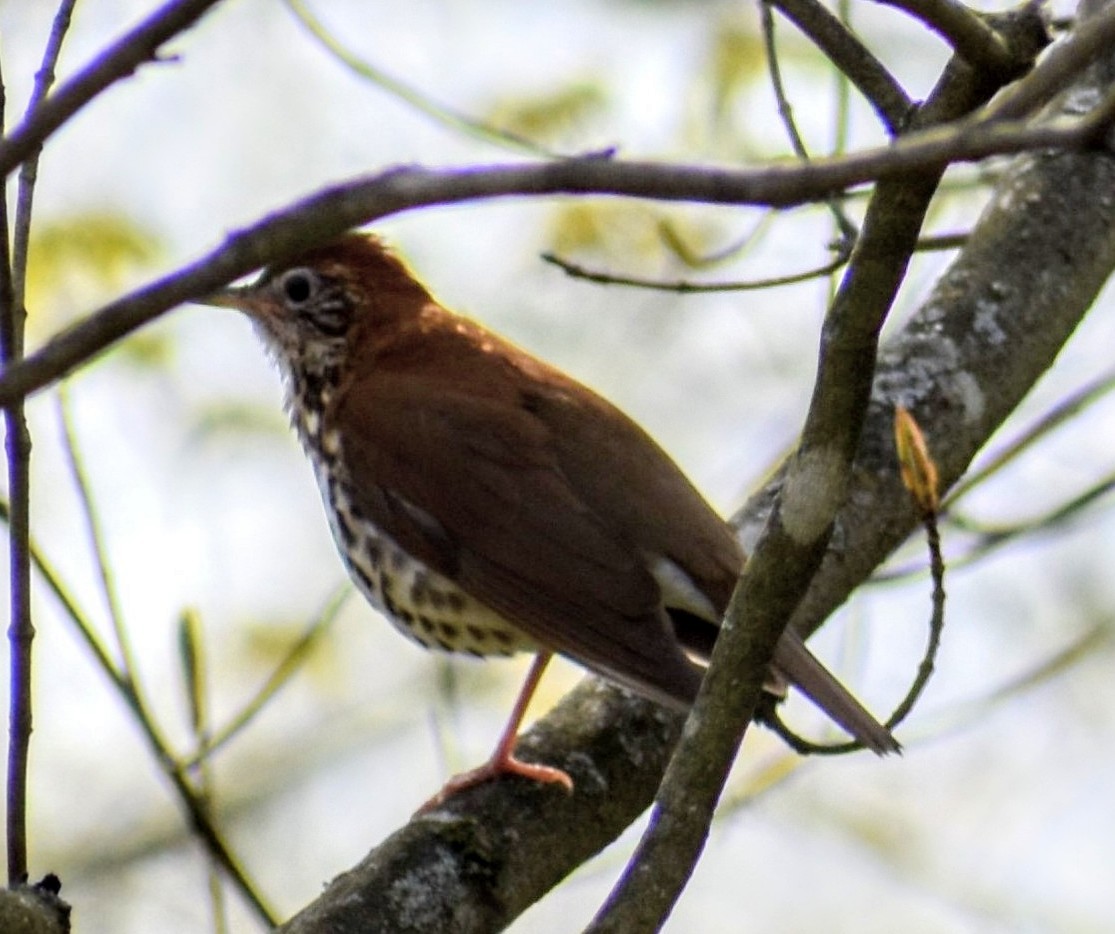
[502, 761]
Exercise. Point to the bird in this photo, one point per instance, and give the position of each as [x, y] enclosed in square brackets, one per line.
[487, 503]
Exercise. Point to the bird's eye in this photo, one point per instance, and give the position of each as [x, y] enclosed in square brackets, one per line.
[314, 300]
[298, 286]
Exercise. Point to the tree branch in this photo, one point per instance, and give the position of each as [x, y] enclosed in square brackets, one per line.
[1031, 302]
[970, 34]
[334, 210]
[21, 629]
[856, 62]
[1093, 36]
[119, 60]
[794, 537]
[484, 856]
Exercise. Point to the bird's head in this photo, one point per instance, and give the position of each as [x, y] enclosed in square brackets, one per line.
[309, 309]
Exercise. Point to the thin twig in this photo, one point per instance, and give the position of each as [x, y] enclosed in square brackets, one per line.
[970, 35]
[684, 286]
[991, 536]
[847, 229]
[805, 747]
[14, 313]
[732, 250]
[29, 170]
[93, 525]
[1065, 409]
[85, 628]
[126, 677]
[136, 47]
[1076, 651]
[949, 241]
[295, 656]
[196, 682]
[21, 632]
[200, 820]
[423, 103]
[852, 59]
[842, 86]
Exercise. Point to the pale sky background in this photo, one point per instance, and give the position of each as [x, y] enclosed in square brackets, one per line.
[997, 818]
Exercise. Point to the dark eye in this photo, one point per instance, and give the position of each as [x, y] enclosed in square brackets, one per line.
[298, 286]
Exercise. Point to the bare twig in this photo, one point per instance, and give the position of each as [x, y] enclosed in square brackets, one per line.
[805, 747]
[423, 103]
[697, 258]
[44, 80]
[196, 812]
[21, 632]
[1065, 409]
[847, 229]
[685, 287]
[14, 317]
[120, 60]
[950, 241]
[295, 656]
[125, 676]
[842, 122]
[853, 59]
[76, 464]
[991, 536]
[971, 36]
[191, 644]
[921, 479]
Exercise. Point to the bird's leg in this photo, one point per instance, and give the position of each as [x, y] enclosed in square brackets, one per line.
[503, 762]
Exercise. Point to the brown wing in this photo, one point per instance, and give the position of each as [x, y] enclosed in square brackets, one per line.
[624, 475]
[512, 527]
[548, 505]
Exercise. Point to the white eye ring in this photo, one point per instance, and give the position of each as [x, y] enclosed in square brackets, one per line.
[298, 286]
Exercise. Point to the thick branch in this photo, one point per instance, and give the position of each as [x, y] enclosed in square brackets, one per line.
[1028, 287]
[1064, 61]
[483, 857]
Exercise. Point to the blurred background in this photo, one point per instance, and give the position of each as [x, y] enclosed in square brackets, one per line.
[999, 816]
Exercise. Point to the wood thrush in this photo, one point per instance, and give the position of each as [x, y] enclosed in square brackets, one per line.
[487, 503]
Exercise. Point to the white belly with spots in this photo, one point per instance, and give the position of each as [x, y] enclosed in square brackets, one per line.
[422, 604]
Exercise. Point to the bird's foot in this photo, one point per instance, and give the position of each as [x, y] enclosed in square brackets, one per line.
[494, 768]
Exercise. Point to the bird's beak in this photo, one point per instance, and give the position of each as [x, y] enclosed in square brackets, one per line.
[247, 299]
[230, 297]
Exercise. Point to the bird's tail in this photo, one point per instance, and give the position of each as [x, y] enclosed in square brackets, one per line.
[802, 669]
